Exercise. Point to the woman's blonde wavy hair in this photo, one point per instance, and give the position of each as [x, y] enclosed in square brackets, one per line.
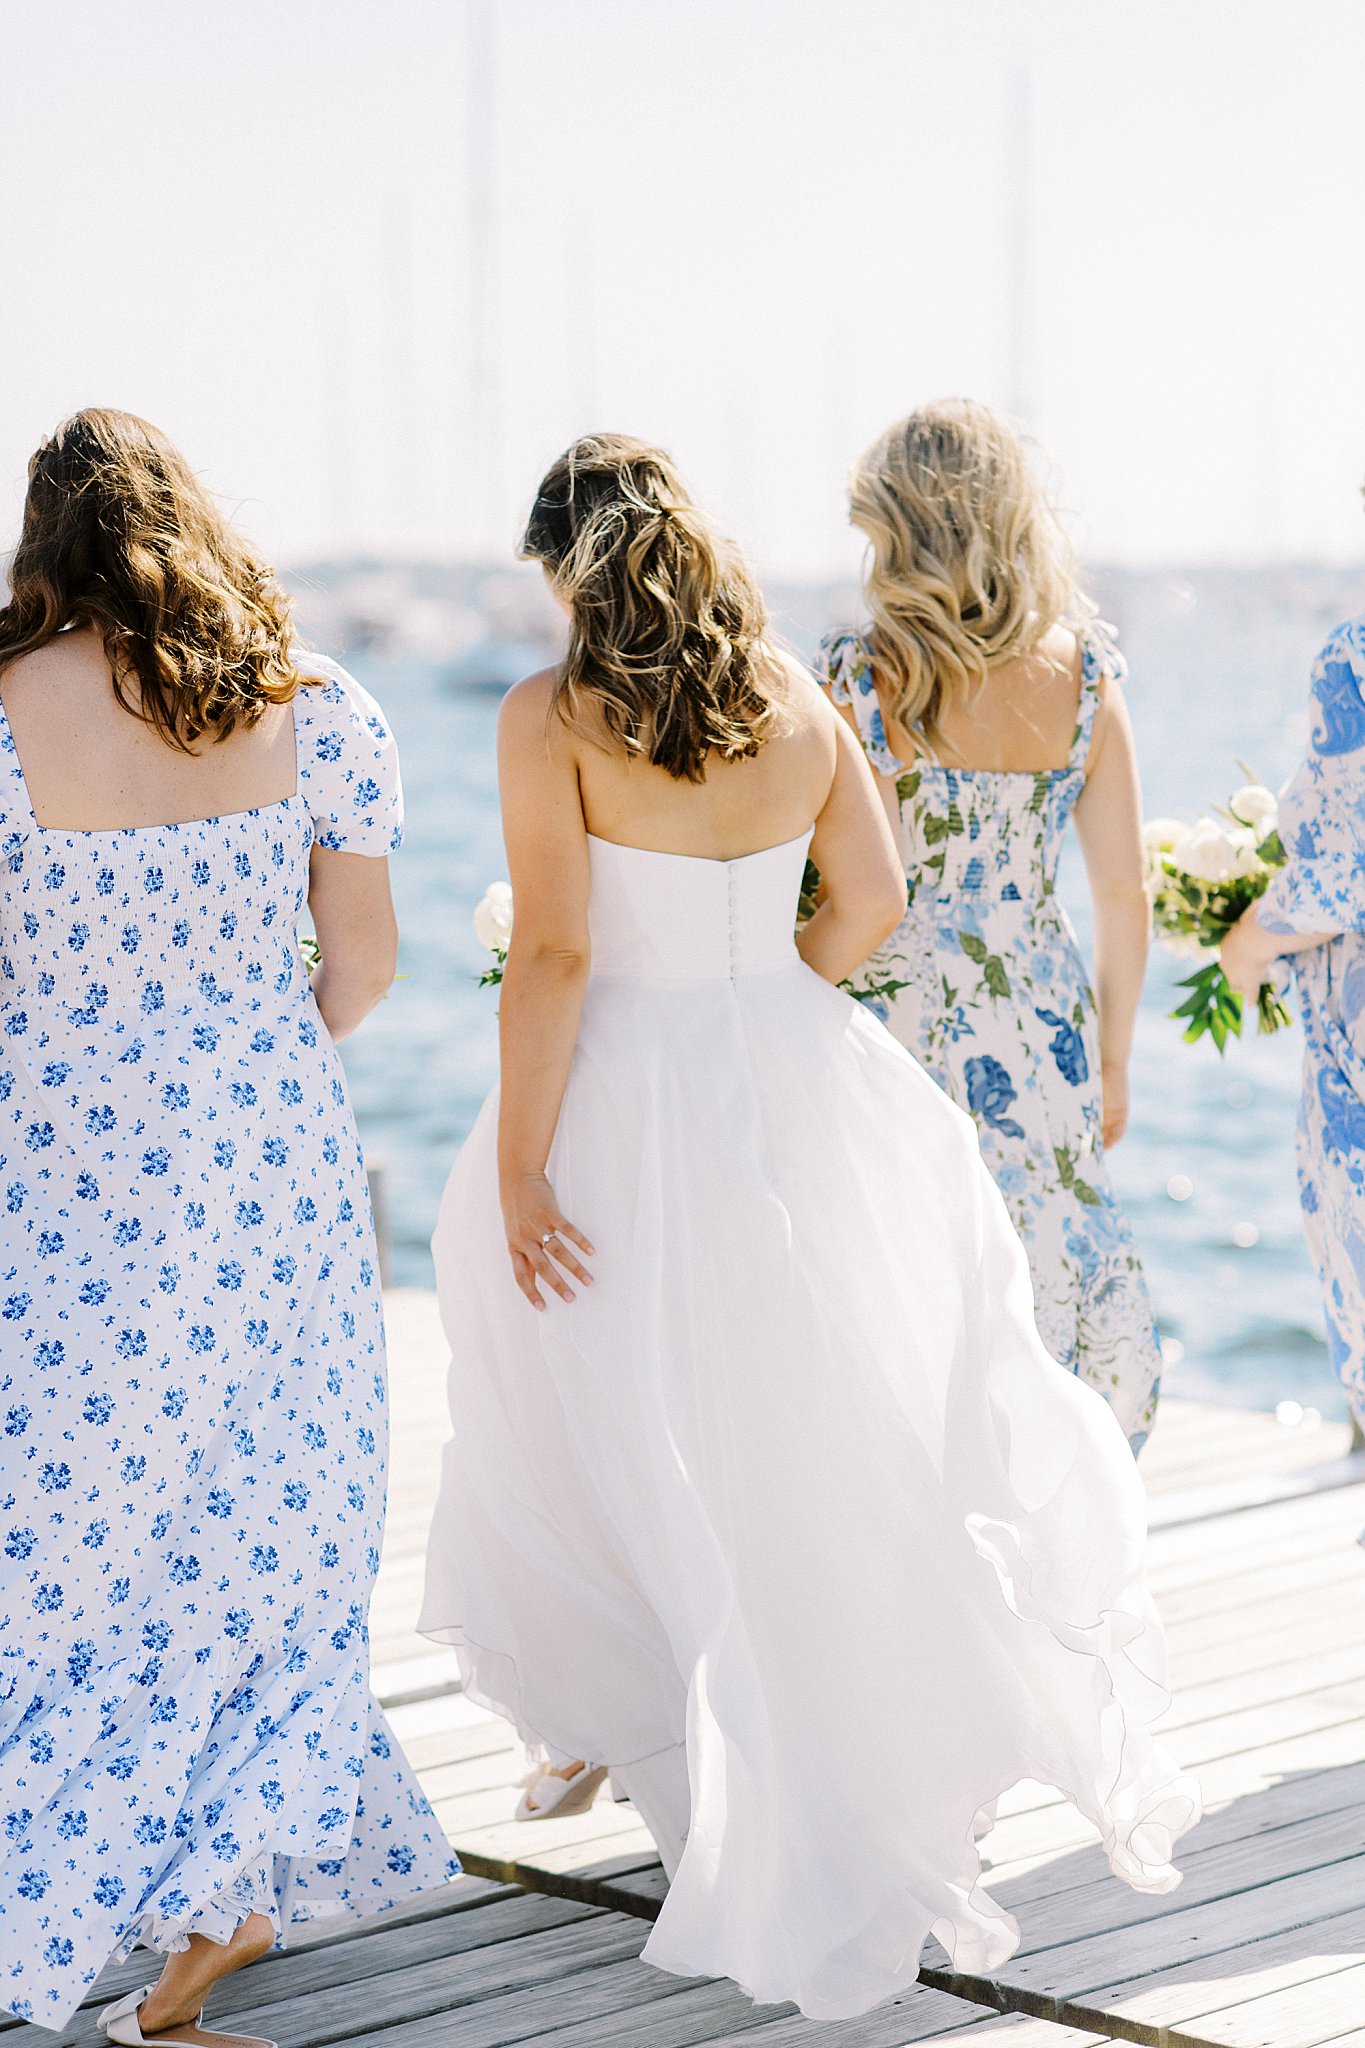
[119, 534]
[970, 563]
[666, 622]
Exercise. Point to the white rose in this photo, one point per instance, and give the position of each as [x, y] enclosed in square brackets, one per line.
[1245, 859]
[1159, 835]
[1208, 851]
[1257, 807]
[493, 918]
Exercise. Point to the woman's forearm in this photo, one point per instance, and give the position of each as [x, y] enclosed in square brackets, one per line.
[1249, 954]
[835, 945]
[1123, 929]
[345, 1000]
[541, 999]
[1270, 945]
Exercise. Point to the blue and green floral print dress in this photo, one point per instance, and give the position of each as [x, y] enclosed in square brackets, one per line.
[192, 1388]
[984, 983]
[1322, 889]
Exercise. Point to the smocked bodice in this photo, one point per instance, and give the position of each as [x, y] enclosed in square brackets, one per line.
[133, 923]
[110, 928]
[984, 838]
[675, 917]
[989, 838]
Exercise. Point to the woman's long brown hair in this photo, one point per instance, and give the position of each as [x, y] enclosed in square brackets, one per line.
[120, 535]
[667, 624]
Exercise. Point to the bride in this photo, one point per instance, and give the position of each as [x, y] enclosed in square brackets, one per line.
[763, 1491]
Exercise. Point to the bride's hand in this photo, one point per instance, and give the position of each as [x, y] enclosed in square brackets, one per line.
[539, 1237]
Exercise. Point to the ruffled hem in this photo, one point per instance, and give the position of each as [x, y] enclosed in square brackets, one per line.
[216, 1919]
[1141, 1806]
[222, 1783]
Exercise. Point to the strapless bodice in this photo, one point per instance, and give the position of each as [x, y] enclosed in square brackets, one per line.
[676, 917]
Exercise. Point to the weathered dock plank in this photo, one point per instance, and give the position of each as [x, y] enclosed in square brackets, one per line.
[1264, 1957]
[623, 2002]
[434, 1987]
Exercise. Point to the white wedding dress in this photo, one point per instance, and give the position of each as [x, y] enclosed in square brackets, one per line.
[790, 1519]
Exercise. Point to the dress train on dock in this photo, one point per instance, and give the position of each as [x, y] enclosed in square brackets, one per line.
[790, 1519]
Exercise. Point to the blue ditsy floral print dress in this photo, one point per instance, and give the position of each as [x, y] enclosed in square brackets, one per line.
[192, 1388]
[984, 983]
[1322, 889]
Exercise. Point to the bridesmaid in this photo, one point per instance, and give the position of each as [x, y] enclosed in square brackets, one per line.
[1314, 913]
[988, 702]
[192, 1371]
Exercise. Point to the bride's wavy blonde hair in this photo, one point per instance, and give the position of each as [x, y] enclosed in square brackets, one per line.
[970, 563]
[119, 534]
[667, 623]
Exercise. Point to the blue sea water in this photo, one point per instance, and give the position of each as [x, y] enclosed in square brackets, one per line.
[1219, 669]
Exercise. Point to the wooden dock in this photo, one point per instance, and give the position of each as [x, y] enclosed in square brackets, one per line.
[1262, 1586]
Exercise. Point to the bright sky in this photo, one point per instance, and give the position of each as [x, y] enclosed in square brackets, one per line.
[757, 230]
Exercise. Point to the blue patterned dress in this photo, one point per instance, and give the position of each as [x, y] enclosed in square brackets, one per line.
[984, 983]
[1322, 889]
[192, 1388]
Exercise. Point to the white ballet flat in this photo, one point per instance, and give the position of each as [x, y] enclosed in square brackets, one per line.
[556, 1798]
[121, 2023]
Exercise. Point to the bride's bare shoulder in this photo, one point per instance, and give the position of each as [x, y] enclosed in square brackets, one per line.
[799, 696]
[791, 682]
[527, 711]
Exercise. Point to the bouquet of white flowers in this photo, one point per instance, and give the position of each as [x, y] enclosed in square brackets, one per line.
[493, 929]
[1202, 877]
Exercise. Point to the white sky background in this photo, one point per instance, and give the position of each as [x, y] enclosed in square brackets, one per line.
[756, 230]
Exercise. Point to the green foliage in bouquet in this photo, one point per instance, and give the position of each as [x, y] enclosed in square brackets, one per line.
[1214, 1006]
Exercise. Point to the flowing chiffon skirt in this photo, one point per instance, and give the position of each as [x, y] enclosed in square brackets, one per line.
[792, 1511]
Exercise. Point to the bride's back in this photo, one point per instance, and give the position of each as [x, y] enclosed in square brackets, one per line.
[739, 807]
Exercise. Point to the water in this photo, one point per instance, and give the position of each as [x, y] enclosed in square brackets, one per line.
[1219, 670]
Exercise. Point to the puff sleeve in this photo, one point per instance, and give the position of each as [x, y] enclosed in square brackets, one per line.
[347, 764]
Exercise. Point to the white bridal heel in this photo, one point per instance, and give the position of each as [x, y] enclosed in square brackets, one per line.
[121, 2023]
[556, 1798]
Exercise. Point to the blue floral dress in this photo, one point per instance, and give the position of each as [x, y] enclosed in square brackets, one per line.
[1322, 889]
[192, 1388]
[984, 983]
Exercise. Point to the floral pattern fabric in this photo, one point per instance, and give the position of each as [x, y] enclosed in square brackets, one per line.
[1322, 889]
[984, 983]
[192, 1388]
